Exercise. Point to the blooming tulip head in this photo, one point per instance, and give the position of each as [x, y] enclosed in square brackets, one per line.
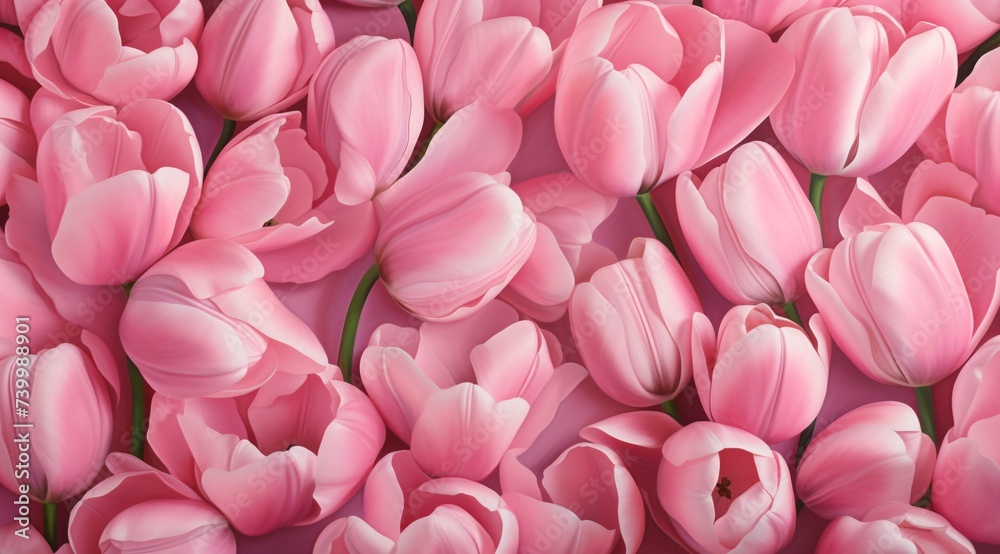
[129, 53]
[866, 289]
[725, 490]
[72, 392]
[863, 89]
[369, 146]
[17, 141]
[118, 188]
[665, 90]
[730, 222]
[632, 323]
[202, 322]
[869, 456]
[967, 476]
[764, 374]
[893, 527]
[447, 248]
[258, 56]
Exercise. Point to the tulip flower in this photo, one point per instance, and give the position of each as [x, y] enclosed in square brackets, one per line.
[967, 476]
[368, 147]
[733, 219]
[871, 455]
[31, 543]
[863, 90]
[859, 301]
[767, 15]
[430, 273]
[725, 490]
[764, 375]
[405, 510]
[293, 430]
[462, 394]
[17, 141]
[893, 527]
[258, 56]
[472, 49]
[971, 22]
[633, 322]
[118, 188]
[202, 322]
[71, 394]
[141, 509]
[651, 117]
[131, 52]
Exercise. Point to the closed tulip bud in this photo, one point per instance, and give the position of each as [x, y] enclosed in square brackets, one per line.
[871, 455]
[131, 52]
[967, 476]
[369, 146]
[202, 322]
[733, 219]
[893, 527]
[653, 116]
[863, 90]
[446, 249]
[258, 56]
[633, 322]
[868, 283]
[764, 374]
[725, 490]
[73, 392]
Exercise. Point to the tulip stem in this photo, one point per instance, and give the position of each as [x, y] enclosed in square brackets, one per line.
[345, 357]
[410, 15]
[656, 222]
[816, 185]
[670, 409]
[804, 439]
[792, 313]
[137, 446]
[49, 524]
[228, 130]
[925, 409]
[970, 63]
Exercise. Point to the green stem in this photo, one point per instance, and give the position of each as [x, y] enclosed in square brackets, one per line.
[698, 3]
[421, 151]
[970, 63]
[228, 130]
[656, 222]
[804, 439]
[670, 409]
[816, 185]
[410, 15]
[49, 525]
[792, 313]
[346, 356]
[925, 409]
[137, 446]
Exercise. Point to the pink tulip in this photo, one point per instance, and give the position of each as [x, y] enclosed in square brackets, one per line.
[652, 117]
[733, 219]
[725, 490]
[17, 141]
[931, 338]
[71, 392]
[967, 476]
[893, 527]
[430, 273]
[118, 188]
[971, 22]
[140, 509]
[462, 394]
[472, 49]
[567, 213]
[32, 542]
[294, 430]
[863, 90]
[633, 322]
[363, 121]
[405, 510]
[202, 322]
[764, 375]
[767, 15]
[551, 528]
[871, 455]
[130, 52]
[267, 190]
[257, 57]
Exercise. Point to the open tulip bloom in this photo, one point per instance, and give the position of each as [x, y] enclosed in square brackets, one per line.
[500, 276]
